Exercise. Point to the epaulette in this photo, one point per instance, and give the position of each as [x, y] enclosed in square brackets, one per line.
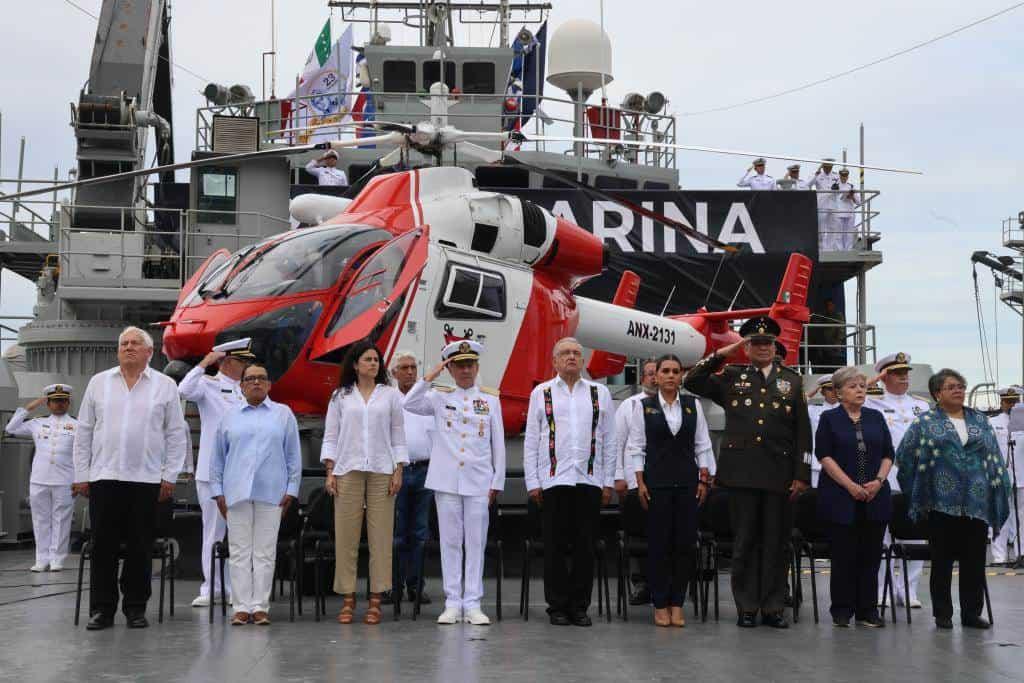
[442, 387]
[491, 390]
[922, 398]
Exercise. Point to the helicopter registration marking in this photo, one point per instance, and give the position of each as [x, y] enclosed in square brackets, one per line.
[654, 333]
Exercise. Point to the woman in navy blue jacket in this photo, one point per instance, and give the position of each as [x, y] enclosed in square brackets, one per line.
[856, 453]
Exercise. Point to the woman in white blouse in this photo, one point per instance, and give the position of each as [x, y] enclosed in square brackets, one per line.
[363, 451]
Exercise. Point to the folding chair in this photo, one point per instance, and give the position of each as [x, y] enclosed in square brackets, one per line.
[811, 540]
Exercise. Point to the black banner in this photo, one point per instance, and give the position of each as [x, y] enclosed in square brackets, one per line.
[769, 226]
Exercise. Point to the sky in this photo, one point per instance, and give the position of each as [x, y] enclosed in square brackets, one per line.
[951, 109]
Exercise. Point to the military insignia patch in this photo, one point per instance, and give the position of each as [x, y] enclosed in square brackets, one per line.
[783, 385]
[651, 411]
[480, 407]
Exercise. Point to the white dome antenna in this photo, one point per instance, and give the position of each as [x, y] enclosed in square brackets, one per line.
[579, 58]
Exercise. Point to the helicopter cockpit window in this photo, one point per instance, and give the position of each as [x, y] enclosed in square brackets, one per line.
[375, 280]
[473, 294]
[478, 78]
[432, 74]
[308, 261]
[399, 76]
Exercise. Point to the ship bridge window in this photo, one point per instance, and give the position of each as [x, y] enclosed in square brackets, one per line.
[218, 200]
[478, 78]
[309, 261]
[613, 183]
[471, 294]
[432, 74]
[399, 76]
[552, 183]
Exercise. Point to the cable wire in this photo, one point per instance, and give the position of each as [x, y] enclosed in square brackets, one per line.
[855, 69]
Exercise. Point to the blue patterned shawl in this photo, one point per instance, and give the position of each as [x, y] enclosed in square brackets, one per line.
[937, 472]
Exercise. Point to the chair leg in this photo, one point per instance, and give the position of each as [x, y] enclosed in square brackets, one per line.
[170, 579]
[988, 601]
[888, 596]
[501, 577]
[396, 587]
[316, 586]
[213, 578]
[814, 583]
[906, 586]
[526, 583]
[291, 582]
[420, 581]
[795, 584]
[300, 564]
[163, 579]
[607, 591]
[81, 572]
[223, 583]
[717, 558]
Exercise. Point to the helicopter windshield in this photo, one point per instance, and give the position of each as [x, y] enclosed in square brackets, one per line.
[306, 261]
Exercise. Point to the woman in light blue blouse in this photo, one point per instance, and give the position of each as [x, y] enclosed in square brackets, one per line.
[952, 473]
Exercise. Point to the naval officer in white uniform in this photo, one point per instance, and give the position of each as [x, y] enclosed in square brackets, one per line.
[53, 471]
[326, 169]
[758, 180]
[792, 179]
[1008, 398]
[825, 180]
[900, 408]
[466, 473]
[214, 396]
[814, 411]
[846, 203]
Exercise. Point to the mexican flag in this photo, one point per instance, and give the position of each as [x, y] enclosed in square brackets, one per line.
[326, 79]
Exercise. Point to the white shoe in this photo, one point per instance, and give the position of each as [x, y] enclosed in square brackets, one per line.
[56, 567]
[477, 618]
[915, 603]
[201, 601]
[450, 615]
[39, 567]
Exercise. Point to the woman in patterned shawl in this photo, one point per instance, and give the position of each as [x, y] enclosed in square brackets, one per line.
[952, 473]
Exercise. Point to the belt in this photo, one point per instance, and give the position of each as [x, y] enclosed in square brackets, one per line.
[418, 463]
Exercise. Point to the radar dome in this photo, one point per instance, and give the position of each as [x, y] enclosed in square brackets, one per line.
[579, 54]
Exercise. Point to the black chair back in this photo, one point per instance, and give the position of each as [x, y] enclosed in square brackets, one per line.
[320, 510]
[901, 527]
[716, 509]
[291, 523]
[534, 521]
[807, 520]
[164, 525]
[634, 517]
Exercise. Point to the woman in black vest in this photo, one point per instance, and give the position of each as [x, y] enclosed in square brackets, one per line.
[671, 452]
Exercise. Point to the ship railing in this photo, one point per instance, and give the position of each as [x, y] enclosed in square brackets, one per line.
[479, 112]
[847, 228]
[26, 221]
[1013, 232]
[822, 350]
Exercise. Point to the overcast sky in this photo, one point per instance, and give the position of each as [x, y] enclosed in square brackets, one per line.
[952, 109]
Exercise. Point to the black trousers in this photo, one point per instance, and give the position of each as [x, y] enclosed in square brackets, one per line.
[121, 513]
[761, 523]
[856, 555]
[671, 534]
[957, 538]
[571, 517]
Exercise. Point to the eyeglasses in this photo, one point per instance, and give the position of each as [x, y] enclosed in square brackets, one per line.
[257, 378]
[954, 387]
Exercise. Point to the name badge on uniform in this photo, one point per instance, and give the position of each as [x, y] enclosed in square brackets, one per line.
[481, 407]
[651, 411]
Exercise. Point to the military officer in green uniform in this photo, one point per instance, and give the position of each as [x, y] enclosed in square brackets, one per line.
[763, 463]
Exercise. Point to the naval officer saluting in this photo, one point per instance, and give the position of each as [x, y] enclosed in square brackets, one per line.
[764, 456]
[759, 180]
[214, 396]
[53, 471]
[466, 473]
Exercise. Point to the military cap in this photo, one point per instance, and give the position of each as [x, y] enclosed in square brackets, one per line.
[1011, 393]
[464, 349]
[875, 390]
[844, 171]
[759, 162]
[57, 391]
[761, 327]
[238, 348]
[894, 361]
[793, 167]
[825, 382]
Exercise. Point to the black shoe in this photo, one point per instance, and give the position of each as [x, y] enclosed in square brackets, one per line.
[841, 622]
[387, 598]
[580, 619]
[747, 620]
[98, 622]
[871, 622]
[944, 623]
[640, 595]
[137, 621]
[976, 622]
[559, 619]
[774, 620]
[424, 598]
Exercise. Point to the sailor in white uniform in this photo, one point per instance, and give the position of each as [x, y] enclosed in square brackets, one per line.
[466, 472]
[846, 203]
[53, 472]
[814, 410]
[792, 179]
[326, 169]
[825, 180]
[1008, 398]
[900, 408]
[214, 396]
[758, 180]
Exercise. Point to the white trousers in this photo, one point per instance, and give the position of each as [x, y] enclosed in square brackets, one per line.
[52, 506]
[843, 231]
[1007, 534]
[253, 547]
[914, 569]
[462, 520]
[214, 527]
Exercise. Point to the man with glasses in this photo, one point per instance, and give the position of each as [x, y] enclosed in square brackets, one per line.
[255, 469]
[763, 463]
[569, 460]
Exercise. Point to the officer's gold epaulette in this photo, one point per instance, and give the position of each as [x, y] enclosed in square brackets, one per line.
[442, 387]
[491, 390]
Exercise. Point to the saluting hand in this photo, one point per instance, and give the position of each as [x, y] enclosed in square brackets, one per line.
[730, 349]
[436, 371]
[35, 403]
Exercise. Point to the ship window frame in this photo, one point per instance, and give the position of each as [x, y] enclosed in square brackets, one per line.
[390, 78]
[449, 66]
[222, 208]
[491, 76]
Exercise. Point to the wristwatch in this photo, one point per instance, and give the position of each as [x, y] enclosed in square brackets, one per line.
[880, 480]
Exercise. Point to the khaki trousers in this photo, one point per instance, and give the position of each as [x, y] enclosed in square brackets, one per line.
[358, 491]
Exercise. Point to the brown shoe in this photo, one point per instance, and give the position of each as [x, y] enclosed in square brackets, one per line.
[348, 609]
[661, 617]
[676, 616]
[240, 619]
[261, 619]
[373, 613]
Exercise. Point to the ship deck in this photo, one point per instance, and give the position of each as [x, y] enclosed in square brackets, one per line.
[41, 644]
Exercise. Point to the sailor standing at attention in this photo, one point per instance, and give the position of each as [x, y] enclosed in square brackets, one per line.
[214, 396]
[466, 473]
[1008, 398]
[900, 408]
[326, 169]
[53, 471]
[758, 180]
[825, 182]
[814, 411]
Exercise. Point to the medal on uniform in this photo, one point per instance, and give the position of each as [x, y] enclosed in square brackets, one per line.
[481, 432]
[775, 404]
[748, 402]
[743, 376]
[735, 403]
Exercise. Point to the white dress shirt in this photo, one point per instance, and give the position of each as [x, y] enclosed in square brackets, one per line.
[788, 183]
[622, 413]
[418, 434]
[326, 175]
[573, 416]
[756, 181]
[636, 442]
[823, 181]
[899, 410]
[136, 435]
[468, 455]
[365, 436]
[214, 396]
[54, 436]
[814, 411]
[1001, 425]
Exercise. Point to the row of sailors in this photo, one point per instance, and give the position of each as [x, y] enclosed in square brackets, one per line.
[572, 460]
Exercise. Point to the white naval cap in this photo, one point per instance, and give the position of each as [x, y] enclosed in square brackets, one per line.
[894, 361]
[330, 153]
[825, 382]
[464, 349]
[759, 162]
[828, 161]
[57, 391]
[1010, 392]
[237, 348]
[793, 167]
[844, 171]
